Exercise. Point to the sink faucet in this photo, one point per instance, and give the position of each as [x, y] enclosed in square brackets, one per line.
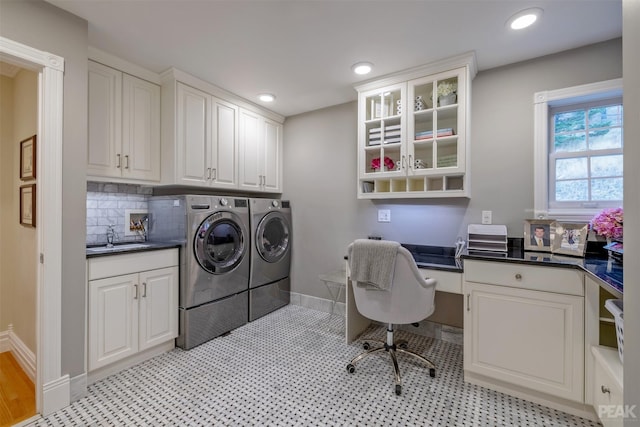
[144, 222]
[111, 234]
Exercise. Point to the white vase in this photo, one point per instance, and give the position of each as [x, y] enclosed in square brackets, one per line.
[447, 99]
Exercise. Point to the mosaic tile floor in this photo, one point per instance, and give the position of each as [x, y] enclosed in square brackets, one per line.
[289, 369]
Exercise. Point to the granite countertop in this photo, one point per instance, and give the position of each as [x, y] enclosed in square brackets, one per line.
[128, 247]
[598, 265]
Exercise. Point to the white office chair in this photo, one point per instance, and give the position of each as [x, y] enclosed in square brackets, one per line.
[408, 299]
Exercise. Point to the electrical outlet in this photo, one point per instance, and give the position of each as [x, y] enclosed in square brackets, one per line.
[384, 215]
[486, 217]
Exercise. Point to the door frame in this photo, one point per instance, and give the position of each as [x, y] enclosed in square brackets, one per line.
[52, 388]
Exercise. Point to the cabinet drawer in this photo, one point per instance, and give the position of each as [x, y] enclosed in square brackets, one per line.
[607, 389]
[116, 265]
[549, 279]
[446, 281]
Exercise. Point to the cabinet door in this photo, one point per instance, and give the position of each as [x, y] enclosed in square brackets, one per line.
[113, 319]
[224, 145]
[104, 157]
[381, 132]
[192, 136]
[435, 128]
[140, 129]
[528, 338]
[250, 145]
[158, 306]
[272, 155]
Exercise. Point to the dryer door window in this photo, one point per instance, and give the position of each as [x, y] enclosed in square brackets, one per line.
[219, 243]
[272, 237]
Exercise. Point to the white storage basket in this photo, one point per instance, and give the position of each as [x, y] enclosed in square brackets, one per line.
[615, 307]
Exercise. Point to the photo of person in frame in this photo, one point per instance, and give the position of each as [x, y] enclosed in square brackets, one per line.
[540, 235]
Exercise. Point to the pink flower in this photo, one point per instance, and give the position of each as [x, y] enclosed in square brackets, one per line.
[375, 163]
[608, 223]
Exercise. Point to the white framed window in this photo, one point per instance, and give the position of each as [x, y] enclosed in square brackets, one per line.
[578, 150]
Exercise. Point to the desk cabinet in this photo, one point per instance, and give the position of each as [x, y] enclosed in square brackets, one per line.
[133, 304]
[521, 335]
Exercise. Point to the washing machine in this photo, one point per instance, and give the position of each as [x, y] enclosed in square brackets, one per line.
[213, 233]
[269, 285]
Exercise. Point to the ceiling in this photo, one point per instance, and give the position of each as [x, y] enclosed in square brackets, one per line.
[302, 50]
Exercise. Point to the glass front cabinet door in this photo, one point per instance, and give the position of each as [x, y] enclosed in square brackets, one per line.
[413, 132]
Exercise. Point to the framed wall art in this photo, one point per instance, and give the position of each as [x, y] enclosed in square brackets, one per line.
[570, 238]
[28, 205]
[538, 234]
[28, 159]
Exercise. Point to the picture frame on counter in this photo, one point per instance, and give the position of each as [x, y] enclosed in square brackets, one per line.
[538, 235]
[28, 205]
[570, 238]
[28, 158]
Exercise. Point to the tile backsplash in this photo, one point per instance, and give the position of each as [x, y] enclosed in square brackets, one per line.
[106, 205]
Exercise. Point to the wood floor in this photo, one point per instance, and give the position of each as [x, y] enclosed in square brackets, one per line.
[17, 392]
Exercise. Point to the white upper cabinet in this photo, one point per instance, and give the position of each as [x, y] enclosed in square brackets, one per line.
[413, 132]
[124, 126]
[213, 139]
[260, 153]
[206, 140]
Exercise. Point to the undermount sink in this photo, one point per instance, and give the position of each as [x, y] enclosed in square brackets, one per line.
[122, 247]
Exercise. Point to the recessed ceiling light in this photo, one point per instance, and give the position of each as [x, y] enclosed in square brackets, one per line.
[362, 68]
[266, 97]
[524, 18]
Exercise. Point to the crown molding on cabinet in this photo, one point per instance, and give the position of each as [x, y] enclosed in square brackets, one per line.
[463, 60]
[188, 79]
[120, 64]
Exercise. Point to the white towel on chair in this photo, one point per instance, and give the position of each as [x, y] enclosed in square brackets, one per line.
[372, 262]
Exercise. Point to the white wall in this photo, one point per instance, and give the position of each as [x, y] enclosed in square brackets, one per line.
[320, 166]
[43, 26]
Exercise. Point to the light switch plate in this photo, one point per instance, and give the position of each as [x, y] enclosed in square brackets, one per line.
[384, 215]
[486, 217]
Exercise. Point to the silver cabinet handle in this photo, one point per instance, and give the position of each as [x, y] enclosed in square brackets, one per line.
[118, 161]
[215, 174]
[126, 161]
[208, 173]
[468, 302]
[518, 276]
[402, 162]
[410, 166]
[135, 294]
[144, 289]
[605, 389]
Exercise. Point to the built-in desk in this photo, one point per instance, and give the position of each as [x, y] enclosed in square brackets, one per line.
[512, 288]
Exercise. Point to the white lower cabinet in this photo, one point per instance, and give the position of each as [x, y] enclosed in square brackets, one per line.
[516, 334]
[130, 312]
[608, 400]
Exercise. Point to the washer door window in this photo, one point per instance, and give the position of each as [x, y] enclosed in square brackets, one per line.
[272, 237]
[219, 243]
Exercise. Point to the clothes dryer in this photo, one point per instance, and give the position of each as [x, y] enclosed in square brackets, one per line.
[269, 285]
[213, 232]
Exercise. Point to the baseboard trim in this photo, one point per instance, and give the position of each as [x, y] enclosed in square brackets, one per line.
[23, 355]
[101, 373]
[78, 386]
[564, 405]
[55, 395]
